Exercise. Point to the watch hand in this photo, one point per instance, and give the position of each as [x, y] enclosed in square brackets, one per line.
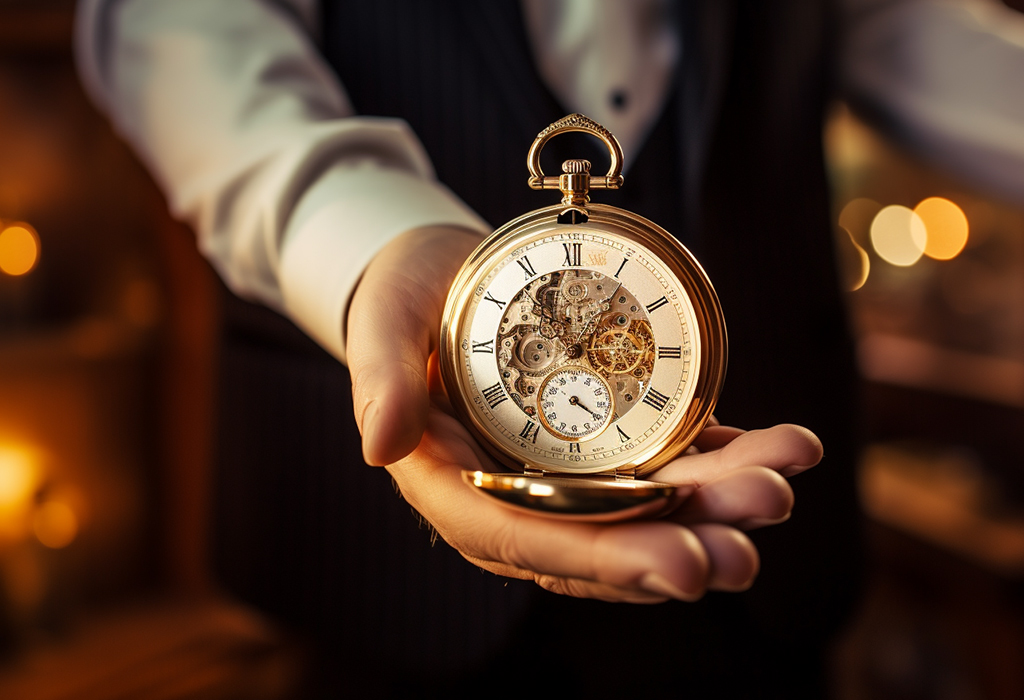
[586, 327]
[576, 402]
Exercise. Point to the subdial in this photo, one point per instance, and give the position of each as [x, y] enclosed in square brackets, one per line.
[575, 403]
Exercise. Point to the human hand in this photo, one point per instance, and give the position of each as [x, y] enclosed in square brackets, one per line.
[738, 484]
[393, 325]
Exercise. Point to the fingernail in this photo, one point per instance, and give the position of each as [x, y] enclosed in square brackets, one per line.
[754, 523]
[731, 588]
[369, 429]
[656, 583]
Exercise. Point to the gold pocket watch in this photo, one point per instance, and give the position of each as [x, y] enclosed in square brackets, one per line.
[583, 346]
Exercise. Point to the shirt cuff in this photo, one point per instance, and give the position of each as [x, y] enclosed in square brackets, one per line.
[340, 224]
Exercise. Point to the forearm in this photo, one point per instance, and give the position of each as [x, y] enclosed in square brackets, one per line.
[257, 146]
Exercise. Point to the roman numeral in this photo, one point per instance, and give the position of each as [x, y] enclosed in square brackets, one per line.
[494, 395]
[622, 436]
[573, 254]
[624, 261]
[487, 346]
[501, 304]
[529, 432]
[655, 399]
[574, 447]
[655, 305]
[524, 263]
[674, 352]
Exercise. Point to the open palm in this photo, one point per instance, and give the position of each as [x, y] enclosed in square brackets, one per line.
[736, 477]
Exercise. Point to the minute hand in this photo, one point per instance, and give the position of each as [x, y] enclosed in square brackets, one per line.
[574, 400]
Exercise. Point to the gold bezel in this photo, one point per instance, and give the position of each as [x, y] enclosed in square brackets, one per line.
[707, 310]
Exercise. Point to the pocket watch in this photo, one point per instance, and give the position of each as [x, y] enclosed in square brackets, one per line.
[583, 347]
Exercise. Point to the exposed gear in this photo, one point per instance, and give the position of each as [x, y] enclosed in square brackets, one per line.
[534, 352]
[616, 351]
[575, 317]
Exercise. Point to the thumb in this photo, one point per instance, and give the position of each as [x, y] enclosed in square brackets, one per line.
[393, 323]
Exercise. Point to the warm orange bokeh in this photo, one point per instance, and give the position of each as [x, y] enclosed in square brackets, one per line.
[947, 227]
[19, 250]
[19, 479]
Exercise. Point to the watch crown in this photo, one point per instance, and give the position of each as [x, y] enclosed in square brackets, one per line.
[576, 166]
[575, 183]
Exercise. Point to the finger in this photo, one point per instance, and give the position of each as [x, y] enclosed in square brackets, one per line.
[657, 556]
[393, 324]
[661, 558]
[715, 437]
[575, 587]
[581, 588]
[734, 564]
[733, 558]
[788, 449]
[747, 498]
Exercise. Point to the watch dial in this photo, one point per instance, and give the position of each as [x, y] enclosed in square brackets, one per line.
[576, 314]
[579, 348]
[575, 403]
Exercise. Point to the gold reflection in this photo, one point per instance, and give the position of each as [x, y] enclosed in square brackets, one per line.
[542, 490]
[19, 249]
[898, 235]
[946, 225]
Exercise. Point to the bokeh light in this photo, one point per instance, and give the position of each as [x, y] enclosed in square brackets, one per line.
[19, 479]
[854, 262]
[946, 225]
[19, 249]
[55, 524]
[856, 217]
[898, 235]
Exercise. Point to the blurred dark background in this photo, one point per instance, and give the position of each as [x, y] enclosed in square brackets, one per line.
[108, 328]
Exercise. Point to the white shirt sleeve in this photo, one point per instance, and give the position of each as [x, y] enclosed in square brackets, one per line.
[257, 146]
[945, 78]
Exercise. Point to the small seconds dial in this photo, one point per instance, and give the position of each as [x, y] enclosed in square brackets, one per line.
[575, 403]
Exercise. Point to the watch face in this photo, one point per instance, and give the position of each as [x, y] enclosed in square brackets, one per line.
[582, 348]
